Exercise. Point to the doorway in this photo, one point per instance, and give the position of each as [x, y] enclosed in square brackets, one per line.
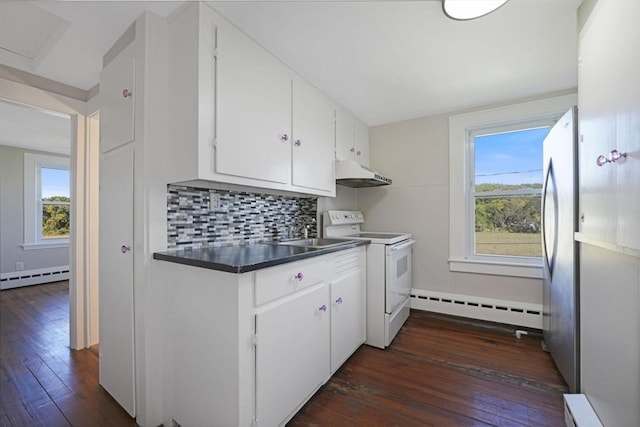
[81, 224]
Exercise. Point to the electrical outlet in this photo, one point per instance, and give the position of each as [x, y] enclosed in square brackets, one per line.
[214, 202]
[19, 265]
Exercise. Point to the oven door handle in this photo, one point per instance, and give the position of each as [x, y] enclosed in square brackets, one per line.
[403, 245]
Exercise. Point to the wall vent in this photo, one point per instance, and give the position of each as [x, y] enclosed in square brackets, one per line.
[16, 279]
[494, 310]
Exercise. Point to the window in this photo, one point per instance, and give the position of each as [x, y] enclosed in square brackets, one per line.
[46, 201]
[506, 191]
[495, 159]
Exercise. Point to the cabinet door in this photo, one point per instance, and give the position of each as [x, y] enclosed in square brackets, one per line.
[313, 139]
[117, 101]
[292, 354]
[347, 317]
[345, 135]
[609, 120]
[362, 143]
[116, 365]
[253, 110]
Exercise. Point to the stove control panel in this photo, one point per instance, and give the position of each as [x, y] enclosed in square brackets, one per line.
[343, 217]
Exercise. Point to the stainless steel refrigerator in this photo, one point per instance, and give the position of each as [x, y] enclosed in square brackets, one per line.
[561, 313]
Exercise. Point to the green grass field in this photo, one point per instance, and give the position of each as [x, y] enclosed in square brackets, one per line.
[505, 243]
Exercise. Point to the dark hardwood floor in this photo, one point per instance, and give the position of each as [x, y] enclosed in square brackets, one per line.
[439, 371]
[442, 371]
[44, 382]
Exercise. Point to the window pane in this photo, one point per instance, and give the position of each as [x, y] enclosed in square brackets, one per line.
[508, 226]
[510, 158]
[55, 222]
[508, 161]
[55, 189]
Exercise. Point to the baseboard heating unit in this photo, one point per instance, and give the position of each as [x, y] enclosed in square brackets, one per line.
[493, 310]
[578, 412]
[15, 279]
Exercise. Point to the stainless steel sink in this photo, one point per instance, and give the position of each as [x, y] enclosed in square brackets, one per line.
[314, 243]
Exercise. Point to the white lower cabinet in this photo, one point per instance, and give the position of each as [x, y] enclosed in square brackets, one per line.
[292, 354]
[347, 317]
[252, 348]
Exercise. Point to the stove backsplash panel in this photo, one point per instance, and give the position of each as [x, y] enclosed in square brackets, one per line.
[240, 218]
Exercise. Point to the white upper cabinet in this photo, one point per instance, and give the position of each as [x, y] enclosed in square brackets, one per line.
[352, 138]
[117, 98]
[239, 115]
[609, 119]
[313, 138]
[253, 110]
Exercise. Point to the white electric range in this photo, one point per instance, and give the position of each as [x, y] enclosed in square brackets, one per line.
[389, 259]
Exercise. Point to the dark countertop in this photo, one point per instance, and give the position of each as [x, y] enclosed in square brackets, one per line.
[245, 258]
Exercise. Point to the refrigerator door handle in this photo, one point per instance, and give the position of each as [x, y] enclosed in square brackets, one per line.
[547, 228]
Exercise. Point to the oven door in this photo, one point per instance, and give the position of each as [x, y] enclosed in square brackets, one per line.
[398, 277]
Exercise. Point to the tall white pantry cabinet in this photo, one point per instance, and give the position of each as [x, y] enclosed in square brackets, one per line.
[609, 119]
[132, 213]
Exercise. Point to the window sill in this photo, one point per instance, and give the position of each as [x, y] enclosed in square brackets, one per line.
[531, 271]
[45, 245]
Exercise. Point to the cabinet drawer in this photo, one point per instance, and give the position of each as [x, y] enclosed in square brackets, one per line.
[276, 282]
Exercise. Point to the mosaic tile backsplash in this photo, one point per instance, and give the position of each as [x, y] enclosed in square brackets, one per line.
[240, 218]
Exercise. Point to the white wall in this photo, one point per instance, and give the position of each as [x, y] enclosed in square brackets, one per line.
[415, 154]
[12, 218]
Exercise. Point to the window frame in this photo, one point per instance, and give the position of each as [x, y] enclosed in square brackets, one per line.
[33, 164]
[461, 163]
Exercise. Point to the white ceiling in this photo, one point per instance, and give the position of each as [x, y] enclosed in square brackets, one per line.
[384, 60]
[34, 129]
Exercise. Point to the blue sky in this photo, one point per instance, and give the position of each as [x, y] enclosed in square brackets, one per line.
[55, 182]
[510, 155]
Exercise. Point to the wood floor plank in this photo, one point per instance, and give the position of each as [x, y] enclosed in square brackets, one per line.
[441, 371]
[43, 382]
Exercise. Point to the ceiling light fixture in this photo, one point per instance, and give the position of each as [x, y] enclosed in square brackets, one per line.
[463, 10]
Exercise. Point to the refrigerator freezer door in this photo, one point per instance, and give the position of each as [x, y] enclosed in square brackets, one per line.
[559, 222]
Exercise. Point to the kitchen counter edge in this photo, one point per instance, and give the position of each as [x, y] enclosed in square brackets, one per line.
[193, 257]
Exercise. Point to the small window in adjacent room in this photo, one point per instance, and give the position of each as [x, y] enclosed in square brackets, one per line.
[47, 202]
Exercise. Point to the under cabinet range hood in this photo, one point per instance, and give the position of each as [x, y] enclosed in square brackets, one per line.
[352, 174]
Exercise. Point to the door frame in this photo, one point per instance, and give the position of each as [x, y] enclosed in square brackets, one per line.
[76, 109]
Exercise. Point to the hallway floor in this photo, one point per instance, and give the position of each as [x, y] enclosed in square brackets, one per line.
[44, 382]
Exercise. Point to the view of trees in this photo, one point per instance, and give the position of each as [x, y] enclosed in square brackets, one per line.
[515, 214]
[55, 217]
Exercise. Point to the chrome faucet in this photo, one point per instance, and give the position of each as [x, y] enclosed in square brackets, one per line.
[301, 225]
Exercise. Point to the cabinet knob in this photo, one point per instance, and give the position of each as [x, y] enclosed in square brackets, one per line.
[614, 157]
[284, 137]
[353, 150]
[298, 277]
[126, 93]
[298, 143]
[124, 249]
[359, 152]
[323, 308]
[339, 300]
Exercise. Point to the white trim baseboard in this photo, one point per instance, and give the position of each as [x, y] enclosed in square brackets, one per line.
[493, 310]
[16, 279]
